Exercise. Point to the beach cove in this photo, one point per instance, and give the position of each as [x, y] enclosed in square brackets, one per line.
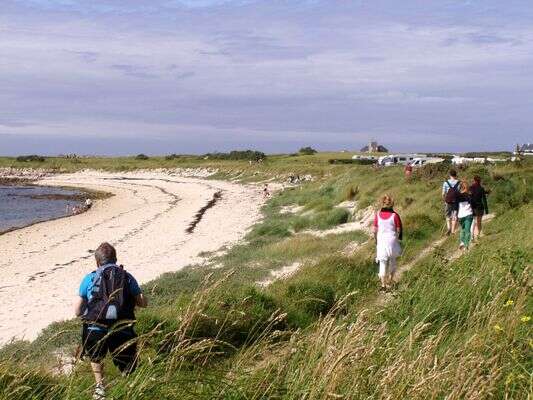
[158, 221]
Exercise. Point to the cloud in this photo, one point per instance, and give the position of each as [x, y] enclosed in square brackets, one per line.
[134, 71]
[276, 71]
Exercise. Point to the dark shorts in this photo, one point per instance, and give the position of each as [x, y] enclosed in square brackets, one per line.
[478, 211]
[451, 210]
[97, 343]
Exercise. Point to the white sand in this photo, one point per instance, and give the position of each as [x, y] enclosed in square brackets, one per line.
[42, 265]
[282, 273]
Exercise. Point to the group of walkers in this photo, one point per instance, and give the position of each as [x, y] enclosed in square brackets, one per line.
[108, 296]
[464, 205]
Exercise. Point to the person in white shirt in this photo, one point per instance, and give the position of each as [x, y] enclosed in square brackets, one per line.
[465, 215]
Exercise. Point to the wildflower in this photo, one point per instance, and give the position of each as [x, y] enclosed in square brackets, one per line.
[509, 303]
[525, 318]
[497, 328]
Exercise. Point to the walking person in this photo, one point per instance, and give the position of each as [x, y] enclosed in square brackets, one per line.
[408, 171]
[106, 304]
[450, 190]
[479, 205]
[465, 215]
[387, 233]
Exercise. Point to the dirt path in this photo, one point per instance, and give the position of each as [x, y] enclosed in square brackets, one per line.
[381, 300]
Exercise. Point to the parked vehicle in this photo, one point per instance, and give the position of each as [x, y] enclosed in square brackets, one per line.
[399, 159]
[421, 161]
[358, 157]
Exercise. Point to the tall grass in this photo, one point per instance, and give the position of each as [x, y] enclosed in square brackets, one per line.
[456, 329]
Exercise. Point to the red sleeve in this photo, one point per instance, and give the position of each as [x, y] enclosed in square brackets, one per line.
[376, 221]
[397, 221]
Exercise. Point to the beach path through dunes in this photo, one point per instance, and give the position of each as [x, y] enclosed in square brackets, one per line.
[158, 223]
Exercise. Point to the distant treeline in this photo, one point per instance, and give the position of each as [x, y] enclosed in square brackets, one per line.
[32, 157]
[488, 154]
[250, 155]
[360, 161]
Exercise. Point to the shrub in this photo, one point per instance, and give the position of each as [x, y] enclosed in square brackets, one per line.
[433, 171]
[313, 297]
[141, 157]
[350, 192]
[249, 155]
[419, 226]
[307, 151]
[270, 229]
[328, 219]
[361, 161]
[171, 157]
[32, 157]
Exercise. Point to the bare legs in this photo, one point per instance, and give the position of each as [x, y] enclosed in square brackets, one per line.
[451, 224]
[98, 371]
[387, 269]
[477, 226]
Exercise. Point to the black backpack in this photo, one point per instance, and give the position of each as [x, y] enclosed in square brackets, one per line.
[452, 193]
[108, 294]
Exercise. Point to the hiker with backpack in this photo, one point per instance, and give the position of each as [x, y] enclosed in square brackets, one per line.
[106, 304]
[387, 233]
[450, 192]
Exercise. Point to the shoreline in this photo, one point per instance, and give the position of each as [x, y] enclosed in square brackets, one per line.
[146, 220]
[84, 193]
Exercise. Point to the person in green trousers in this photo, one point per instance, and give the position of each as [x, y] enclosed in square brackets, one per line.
[465, 215]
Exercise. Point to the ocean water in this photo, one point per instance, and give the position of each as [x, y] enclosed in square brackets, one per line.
[21, 206]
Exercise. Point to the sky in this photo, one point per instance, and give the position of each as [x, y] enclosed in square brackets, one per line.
[196, 76]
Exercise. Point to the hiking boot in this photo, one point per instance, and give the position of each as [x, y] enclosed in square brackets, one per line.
[99, 392]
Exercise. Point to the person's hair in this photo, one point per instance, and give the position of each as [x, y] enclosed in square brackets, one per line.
[453, 173]
[105, 254]
[463, 187]
[387, 201]
[477, 179]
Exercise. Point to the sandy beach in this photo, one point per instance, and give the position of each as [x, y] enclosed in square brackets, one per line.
[147, 220]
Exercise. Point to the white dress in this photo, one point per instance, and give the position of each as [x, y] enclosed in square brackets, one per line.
[388, 245]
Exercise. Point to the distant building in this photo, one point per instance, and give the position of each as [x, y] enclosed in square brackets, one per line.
[374, 147]
[524, 150]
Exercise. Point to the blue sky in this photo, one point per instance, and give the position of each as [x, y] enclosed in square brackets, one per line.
[193, 76]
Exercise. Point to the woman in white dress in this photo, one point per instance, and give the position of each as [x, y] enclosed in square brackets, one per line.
[388, 233]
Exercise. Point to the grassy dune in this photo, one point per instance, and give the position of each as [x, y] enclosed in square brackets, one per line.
[457, 328]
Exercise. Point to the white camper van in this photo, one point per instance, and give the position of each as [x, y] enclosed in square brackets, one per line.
[399, 159]
[421, 161]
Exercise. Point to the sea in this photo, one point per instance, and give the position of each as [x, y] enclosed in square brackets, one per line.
[21, 206]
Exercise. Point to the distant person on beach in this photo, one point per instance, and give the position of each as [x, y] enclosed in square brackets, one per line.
[266, 193]
[465, 215]
[479, 205]
[88, 204]
[388, 232]
[450, 191]
[106, 304]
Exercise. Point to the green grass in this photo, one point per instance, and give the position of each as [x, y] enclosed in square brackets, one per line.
[214, 334]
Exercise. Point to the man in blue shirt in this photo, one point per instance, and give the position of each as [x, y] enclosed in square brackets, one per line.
[99, 339]
[450, 209]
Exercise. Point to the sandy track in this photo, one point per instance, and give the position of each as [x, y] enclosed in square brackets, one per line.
[146, 220]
